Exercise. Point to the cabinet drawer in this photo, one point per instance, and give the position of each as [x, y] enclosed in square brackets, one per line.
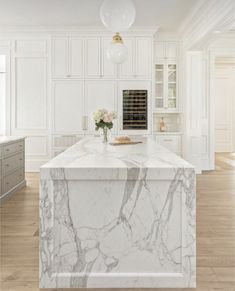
[13, 148]
[12, 180]
[13, 162]
[0, 169]
[172, 143]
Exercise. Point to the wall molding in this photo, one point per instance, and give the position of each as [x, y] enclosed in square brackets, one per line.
[208, 16]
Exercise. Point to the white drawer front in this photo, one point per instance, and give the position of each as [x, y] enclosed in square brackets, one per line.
[13, 162]
[172, 143]
[12, 180]
[12, 148]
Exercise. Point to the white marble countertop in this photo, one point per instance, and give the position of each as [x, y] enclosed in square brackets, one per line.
[92, 159]
[6, 139]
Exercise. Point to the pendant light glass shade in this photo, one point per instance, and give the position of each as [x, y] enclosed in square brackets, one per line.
[117, 15]
[117, 52]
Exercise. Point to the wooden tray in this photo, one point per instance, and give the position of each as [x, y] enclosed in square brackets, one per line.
[125, 143]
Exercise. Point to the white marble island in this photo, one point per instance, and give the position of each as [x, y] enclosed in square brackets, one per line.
[117, 216]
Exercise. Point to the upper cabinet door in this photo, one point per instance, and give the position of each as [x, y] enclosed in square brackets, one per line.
[60, 68]
[127, 67]
[109, 69]
[76, 57]
[159, 50]
[99, 94]
[93, 58]
[143, 58]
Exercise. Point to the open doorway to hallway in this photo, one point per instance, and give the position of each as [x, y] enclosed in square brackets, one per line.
[224, 114]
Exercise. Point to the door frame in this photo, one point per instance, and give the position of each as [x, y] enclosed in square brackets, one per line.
[213, 54]
[5, 50]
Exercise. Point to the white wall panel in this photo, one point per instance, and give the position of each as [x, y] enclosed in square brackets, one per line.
[36, 146]
[30, 46]
[193, 109]
[30, 93]
[223, 110]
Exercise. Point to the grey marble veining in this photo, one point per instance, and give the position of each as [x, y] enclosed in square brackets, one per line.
[129, 225]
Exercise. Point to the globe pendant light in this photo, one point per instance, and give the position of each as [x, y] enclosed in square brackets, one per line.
[117, 52]
[117, 15]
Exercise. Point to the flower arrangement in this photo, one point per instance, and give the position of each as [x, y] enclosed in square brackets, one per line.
[104, 120]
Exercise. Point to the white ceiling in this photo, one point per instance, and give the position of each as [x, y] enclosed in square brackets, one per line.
[168, 14]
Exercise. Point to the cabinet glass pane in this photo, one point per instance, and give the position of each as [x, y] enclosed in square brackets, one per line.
[172, 90]
[159, 67]
[171, 103]
[159, 90]
[171, 76]
[171, 67]
[159, 103]
[159, 76]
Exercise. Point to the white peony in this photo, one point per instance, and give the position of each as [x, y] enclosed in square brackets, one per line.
[103, 114]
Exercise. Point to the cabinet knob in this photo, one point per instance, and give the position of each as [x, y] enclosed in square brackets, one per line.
[7, 165]
[68, 76]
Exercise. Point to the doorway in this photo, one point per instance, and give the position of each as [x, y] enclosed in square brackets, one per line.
[224, 110]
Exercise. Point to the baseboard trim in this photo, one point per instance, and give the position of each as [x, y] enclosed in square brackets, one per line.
[10, 193]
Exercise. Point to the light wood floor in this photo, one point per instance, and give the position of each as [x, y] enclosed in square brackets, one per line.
[215, 232]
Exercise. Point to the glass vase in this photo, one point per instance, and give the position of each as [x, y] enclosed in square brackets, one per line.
[105, 134]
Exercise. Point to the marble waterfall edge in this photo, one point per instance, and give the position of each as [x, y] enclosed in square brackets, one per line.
[117, 217]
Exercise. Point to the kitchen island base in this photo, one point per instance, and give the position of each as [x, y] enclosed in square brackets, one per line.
[127, 226]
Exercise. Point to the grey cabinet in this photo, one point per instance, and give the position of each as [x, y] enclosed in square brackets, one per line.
[12, 166]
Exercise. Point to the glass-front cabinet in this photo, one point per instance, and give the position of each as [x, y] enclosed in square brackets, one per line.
[166, 87]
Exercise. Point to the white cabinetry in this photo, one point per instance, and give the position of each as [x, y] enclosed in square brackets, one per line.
[68, 106]
[99, 94]
[97, 65]
[92, 58]
[126, 69]
[166, 87]
[166, 50]
[76, 57]
[108, 69]
[138, 63]
[67, 57]
[171, 142]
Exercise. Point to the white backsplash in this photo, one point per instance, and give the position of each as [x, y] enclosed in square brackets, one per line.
[172, 122]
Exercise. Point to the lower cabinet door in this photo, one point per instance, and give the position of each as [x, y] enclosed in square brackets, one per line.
[12, 180]
[171, 142]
